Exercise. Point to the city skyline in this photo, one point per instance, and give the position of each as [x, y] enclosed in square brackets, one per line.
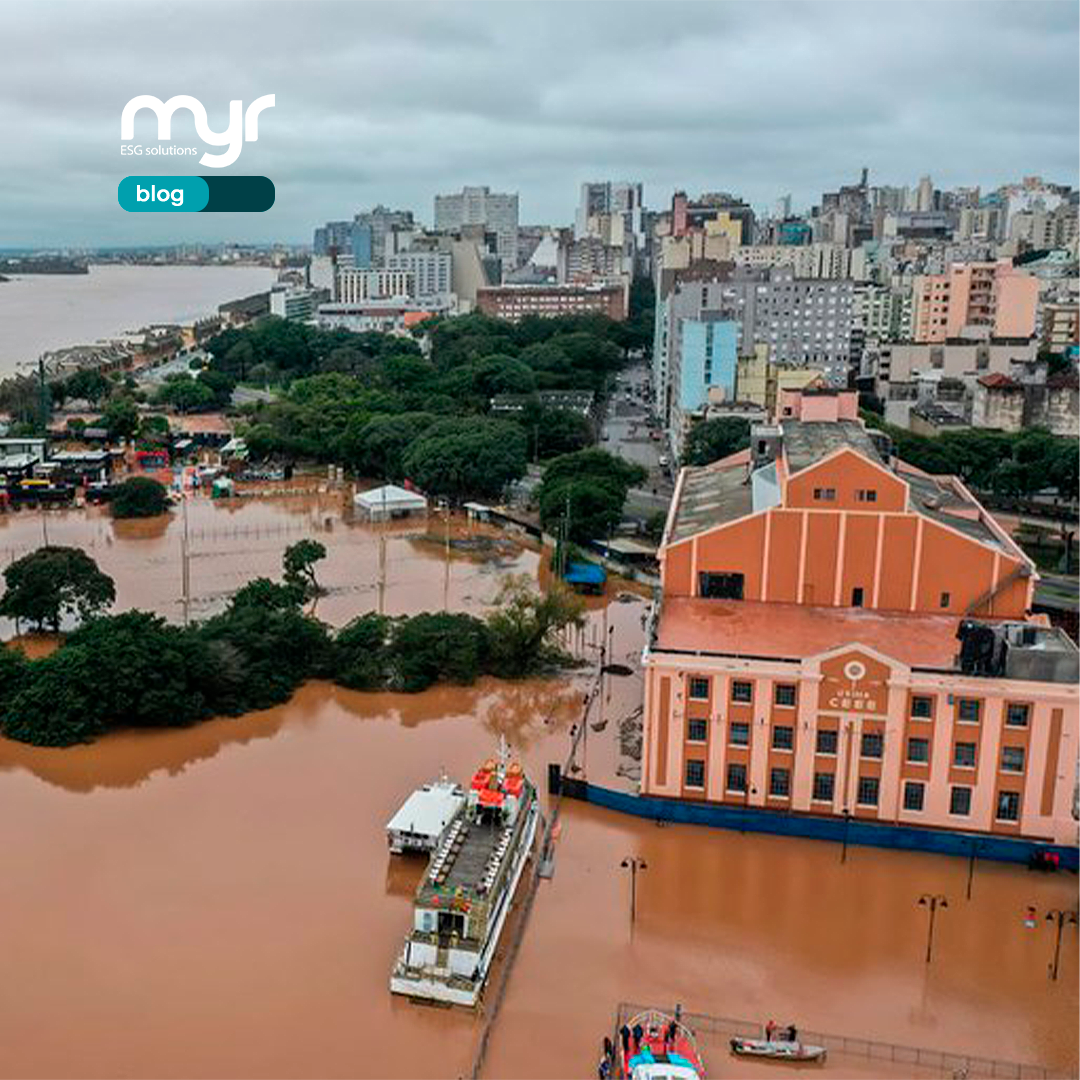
[395, 104]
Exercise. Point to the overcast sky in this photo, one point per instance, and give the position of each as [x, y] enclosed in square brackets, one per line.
[394, 102]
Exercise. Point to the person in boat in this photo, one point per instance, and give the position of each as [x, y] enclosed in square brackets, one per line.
[770, 1030]
[624, 1035]
[792, 1034]
[669, 1036]
[637, 1032]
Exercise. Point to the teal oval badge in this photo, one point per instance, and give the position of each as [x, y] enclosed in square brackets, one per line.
[163, 194]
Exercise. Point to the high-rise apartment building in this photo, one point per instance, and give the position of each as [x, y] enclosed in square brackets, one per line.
[620, 197]
[498, 213]
[997, 296]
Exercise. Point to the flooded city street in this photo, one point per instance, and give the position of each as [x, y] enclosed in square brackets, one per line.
[218, 901]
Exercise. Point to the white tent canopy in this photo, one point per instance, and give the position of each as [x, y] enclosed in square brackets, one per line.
[389, 501]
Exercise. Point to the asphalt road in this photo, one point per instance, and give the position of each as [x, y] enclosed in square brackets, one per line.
[625, 432]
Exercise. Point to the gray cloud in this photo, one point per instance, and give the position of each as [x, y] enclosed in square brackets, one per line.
[391, 103]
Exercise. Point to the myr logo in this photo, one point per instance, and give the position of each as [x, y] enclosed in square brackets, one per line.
[234, 135]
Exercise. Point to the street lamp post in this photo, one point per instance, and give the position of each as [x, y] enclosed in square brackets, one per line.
[976, 845]
[1061, 918]
[843, 847]
[932, 903]
[748, 790]
[634, 864]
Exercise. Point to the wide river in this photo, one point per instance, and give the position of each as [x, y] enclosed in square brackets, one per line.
[218, 901]
[39, 312]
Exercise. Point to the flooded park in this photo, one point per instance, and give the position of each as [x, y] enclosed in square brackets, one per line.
[218, 901]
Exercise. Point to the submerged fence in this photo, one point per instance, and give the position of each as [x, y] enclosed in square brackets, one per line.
[943, 1062]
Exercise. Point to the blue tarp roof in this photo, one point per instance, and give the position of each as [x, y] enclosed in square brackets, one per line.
[582, 573]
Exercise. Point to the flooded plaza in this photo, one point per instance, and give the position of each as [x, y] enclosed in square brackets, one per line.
[218, 901]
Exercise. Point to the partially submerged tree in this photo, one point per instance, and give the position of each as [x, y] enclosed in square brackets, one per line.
[139, 497]
[54, 583]
[299, 562]
[524, 625]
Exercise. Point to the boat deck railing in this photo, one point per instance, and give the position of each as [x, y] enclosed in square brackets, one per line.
[945, 1063]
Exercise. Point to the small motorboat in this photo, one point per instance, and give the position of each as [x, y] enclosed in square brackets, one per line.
[782, 1049]
[656, 1046]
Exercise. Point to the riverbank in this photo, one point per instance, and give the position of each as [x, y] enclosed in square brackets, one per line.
[40, 313]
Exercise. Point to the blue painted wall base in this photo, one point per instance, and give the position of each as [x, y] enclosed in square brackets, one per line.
[873, 834]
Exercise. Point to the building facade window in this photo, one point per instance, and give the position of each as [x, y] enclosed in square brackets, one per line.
[869, 786]
[918, 751]
[721, 586]
[964, 755]
[960, 801]
[697, 730]
[967, 710]
[780, 783]
[825, 494]
[866, 495]
[784, 694]
[1012, 759]
[873, 744]
[857, 596]
[742, 692]
[739, 733]
[826, 741]
[1017, 715]
[946, 600]
[783, 737]
[1008, 806]
[736, 778]
[824, 786]
[695, 773]
[922, 708]
[699, 689]
[913, 795]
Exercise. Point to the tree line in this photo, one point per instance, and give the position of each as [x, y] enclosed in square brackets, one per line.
[385, 407]
[137, 670]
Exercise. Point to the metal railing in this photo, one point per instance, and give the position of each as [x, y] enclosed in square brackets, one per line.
[944, 1062]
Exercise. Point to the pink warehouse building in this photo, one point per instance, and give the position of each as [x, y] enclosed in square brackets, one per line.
[841, 634]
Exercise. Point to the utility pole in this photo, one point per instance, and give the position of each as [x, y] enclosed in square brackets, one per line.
[975, 845]
[1062, 918]
[931, 902]
[446, 567]
[185, 563]
[43, 395]
[633, 864]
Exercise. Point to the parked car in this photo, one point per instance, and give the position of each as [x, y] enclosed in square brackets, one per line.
[665, 461]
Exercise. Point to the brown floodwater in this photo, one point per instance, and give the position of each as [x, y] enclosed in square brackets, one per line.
[218, 901]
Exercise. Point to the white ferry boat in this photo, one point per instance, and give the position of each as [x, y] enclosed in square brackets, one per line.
[464, 898]
[424, 817]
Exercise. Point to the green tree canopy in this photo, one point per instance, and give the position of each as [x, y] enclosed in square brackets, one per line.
[120, 418]
[522, 629]
[89, 385]
[363, 652]
[299, 562]
[139, 497]
[711, 440]
[469, 457]
[53, 584]
[440, 647]
[581, 495]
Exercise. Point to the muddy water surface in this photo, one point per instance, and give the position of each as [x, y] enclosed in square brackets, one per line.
[219, 902]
